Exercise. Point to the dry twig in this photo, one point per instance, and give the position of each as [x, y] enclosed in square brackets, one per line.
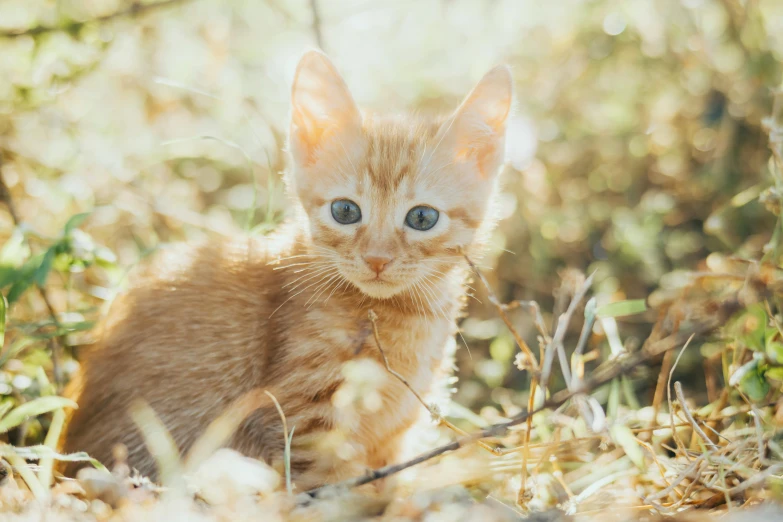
[319, 37]
[688, 415]
[502, 313]
[133, 10]
[7, 200]
[599, 377]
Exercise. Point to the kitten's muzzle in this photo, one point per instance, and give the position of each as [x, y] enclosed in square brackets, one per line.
[378, 263]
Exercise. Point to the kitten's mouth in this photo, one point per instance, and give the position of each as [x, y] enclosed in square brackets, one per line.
[378, 287]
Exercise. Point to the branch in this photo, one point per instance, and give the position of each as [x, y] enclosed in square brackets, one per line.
[555, 344]
[319, 37]
[600, 377]
[688, 415]
[531, 359]
[433, 411]
[7, 200]
[133, 10]
[374, 320]
[5, 196]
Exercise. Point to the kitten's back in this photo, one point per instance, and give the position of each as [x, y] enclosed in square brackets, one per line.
[184, 338]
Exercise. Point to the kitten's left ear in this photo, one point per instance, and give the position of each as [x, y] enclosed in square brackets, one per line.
[478, 128]
[321, 106]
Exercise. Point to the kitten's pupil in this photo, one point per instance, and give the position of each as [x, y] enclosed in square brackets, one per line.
[346, 212]
[422, 218]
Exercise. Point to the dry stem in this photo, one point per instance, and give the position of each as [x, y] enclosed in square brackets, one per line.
[696, 428]
[436, 415]
[133, 10]
[5, 198]
[600, 377]
[502, 313]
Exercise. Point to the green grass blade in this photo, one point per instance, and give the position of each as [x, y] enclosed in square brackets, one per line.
[3, 308]
[622, 308]
[33, 408]
[75, 222]
[24, 471]
[52, 438]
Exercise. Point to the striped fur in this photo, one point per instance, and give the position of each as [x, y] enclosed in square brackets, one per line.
[205, 323]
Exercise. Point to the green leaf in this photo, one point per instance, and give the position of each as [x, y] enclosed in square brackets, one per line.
[755, 386]
[13, 351]
[775, 351]
[3, 308]
[33, 408]
[775, 373]
[5, 407]
[742, 371]
[8, 275]
[622, 308]
[24, 277]
[40, 451]
[75, 222]
[42, 272]
[14, 250]
[751, 327]
[623, 437]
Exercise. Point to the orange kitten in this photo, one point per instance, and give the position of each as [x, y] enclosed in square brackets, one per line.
[383, 207]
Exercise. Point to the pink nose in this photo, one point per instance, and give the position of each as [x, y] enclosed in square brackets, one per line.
[377, 263]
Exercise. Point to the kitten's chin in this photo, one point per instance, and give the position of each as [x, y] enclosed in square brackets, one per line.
[378, 289]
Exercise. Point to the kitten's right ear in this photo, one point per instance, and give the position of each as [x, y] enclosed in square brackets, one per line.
[321, 107]
[478, 128]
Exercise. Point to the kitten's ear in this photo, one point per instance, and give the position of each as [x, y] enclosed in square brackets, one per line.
[477, 129]
[321, 106]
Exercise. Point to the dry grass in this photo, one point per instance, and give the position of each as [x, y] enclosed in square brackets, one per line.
[683, 420]
[571, 457]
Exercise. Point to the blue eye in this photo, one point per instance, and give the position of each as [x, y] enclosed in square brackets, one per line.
[346, 212]
[422, 217]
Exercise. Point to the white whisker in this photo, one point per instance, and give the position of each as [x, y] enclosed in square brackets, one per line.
[321, 289]
[318, 272]
[335, 289]
[299, 292]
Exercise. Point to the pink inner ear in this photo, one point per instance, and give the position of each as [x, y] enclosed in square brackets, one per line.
[308, 133]
[322, 107]
[480, 123]
[484, 155]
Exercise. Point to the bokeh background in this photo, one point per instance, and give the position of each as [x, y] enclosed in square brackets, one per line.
[637, 148]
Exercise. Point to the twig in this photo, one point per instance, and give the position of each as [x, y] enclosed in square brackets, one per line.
[760, 448]
[5, 198]
[533, 306]
[134, 9]
[556, 344]
[660, 386]
[599, 377]
[532, 363]
[677, 440]
[577, 358]
[373, 319]
[319, 37]
[287, 452]
[689, 416]
[436, 415]
[687, 472]
[725, 493]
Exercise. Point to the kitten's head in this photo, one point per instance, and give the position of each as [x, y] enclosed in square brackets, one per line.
[391, 202]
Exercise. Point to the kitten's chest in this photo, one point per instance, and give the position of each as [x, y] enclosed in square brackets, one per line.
[416, 352]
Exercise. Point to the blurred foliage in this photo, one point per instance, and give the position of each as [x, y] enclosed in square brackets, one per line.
[638, 150]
